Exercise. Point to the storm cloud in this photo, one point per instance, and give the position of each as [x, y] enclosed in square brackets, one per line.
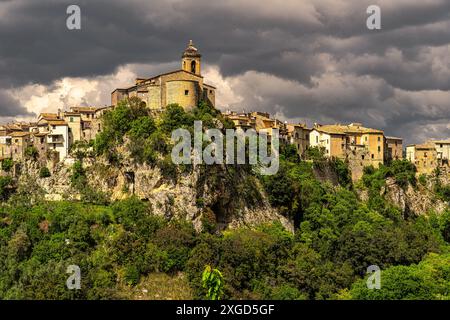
[310, 60]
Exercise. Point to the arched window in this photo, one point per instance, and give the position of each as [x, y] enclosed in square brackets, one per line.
[193, 65]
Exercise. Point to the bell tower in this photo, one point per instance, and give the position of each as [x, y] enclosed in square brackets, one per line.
[191, 59]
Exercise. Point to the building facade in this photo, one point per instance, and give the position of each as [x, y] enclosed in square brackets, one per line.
[393, 149]
[423, 156]
[184, 86]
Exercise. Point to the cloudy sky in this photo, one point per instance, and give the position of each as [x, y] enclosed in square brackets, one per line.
[303, 60]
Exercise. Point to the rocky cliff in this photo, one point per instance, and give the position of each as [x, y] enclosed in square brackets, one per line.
[224, 196]
[411, 200]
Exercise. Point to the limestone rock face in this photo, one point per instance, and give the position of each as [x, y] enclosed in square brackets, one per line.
[233, 197]
[413, 201]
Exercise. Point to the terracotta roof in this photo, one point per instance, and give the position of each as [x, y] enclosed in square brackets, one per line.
[13, 126]
[48, 116]
[57, 123]
[345, 129]
[19, 134]
[393, 138]
[40, 134]
[69, 113]
[425, 146]
[441, 141]
[191, 51]
[83, 109]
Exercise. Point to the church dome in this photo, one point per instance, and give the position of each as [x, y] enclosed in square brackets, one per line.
[191, 51]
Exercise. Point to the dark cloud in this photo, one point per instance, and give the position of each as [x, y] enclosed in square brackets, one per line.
[10, 107]
[336, 69]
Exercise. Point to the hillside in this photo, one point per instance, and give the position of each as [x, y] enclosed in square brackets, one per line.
[129, 218]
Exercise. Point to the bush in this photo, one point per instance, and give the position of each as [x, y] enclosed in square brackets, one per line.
[31, 153]
[7, 165]
[5, 187]
[44, 172]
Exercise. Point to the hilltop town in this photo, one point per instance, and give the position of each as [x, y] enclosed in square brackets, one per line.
[97, 188]
[51, 137]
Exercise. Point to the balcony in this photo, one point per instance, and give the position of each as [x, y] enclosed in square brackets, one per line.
[55, 138]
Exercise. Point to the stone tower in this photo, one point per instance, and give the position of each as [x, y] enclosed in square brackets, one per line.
[191, 60]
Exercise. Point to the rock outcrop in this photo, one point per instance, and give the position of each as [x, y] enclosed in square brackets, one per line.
[418, 200]
[234, 197]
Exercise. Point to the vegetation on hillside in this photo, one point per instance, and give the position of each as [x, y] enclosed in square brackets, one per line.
[121, 246]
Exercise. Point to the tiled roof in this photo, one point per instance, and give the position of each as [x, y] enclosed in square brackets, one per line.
[425, 146]
[345, 129]
[19, 134]
[57, 123]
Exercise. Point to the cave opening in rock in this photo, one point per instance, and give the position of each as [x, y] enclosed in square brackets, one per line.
[221, 215]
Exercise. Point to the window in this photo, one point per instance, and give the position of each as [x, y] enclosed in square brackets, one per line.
[362, 157]
[365, 138]
[71, 119]
[372, 156]
[425, 154]
[379, 139]
[193, 66]
[16, 140]
[317, 139]
[210, 91]
[54, 127]
[379, 149]
[186, 92]
[441, 145]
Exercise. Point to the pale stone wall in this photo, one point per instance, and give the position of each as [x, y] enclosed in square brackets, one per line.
[18, 147]
[59, 140]
[74, 123]
[178, 76]
[183, 92]
[210, 94]
[154, 97]
[425, 161]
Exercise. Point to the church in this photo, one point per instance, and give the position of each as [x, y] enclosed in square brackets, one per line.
[184, 86]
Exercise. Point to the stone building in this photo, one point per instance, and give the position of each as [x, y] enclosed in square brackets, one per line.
[184, 86]
[298, 135]
[442, 151]
[20, 141]
[424, 157]
[358, 145]
[393, 149]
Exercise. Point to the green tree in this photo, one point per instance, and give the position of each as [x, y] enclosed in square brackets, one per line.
[212, 280]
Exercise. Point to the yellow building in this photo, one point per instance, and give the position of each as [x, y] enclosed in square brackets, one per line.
[424, 157]
[242, 121]
[342, 140]
[184, 87]
[358, 145]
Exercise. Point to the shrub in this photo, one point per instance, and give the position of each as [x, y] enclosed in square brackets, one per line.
[7, 165]
[31, 153]
[44, 172]
[5, 187]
